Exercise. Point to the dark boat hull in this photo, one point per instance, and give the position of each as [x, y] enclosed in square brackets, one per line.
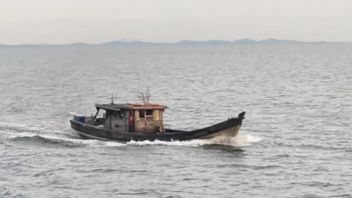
[228, 128]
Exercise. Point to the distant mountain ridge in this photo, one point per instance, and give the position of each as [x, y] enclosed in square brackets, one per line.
[180, 43]
[211, 42]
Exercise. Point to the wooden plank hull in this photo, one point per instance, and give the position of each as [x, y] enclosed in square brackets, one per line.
[228, 128]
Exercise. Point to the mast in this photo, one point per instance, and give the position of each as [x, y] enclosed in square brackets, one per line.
[144, 96]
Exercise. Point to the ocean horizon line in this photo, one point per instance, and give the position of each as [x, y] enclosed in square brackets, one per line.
[270, 41]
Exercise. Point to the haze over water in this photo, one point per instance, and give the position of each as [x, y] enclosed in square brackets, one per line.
[295, 140]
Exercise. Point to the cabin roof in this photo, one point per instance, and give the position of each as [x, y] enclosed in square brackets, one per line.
[119, 107]
[113, 107]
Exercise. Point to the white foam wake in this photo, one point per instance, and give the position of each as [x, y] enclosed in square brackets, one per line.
[238, 141]
[22, 131]
[58, 138]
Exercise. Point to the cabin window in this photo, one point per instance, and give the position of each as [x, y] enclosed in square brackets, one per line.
[100, 114]
[149, 113]
[142, 114]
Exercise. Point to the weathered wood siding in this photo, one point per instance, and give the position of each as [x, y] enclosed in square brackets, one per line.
[148, 123]
[117, 120]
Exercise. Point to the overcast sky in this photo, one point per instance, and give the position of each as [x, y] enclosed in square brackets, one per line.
[95, 21]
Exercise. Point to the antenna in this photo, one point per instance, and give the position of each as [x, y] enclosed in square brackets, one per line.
[147, 95]
[112, 98]
[144, 96]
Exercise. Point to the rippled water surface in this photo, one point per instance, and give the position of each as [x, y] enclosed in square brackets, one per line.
[295, 141]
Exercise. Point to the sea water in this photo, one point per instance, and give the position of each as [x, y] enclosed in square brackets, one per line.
[295, 141]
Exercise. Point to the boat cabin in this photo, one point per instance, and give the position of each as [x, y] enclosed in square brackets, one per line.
[138, 118]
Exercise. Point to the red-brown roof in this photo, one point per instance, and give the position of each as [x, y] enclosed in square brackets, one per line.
[146, 106]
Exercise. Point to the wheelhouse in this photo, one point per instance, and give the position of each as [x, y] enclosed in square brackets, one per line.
[137, 118]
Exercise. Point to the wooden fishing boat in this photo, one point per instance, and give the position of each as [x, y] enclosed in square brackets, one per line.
[138, 122]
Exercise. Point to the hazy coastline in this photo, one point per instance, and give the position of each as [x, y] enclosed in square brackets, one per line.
[179, 43]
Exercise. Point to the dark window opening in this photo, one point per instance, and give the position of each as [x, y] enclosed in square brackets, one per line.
[145, 113]
[141, 113]
[149, 112]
